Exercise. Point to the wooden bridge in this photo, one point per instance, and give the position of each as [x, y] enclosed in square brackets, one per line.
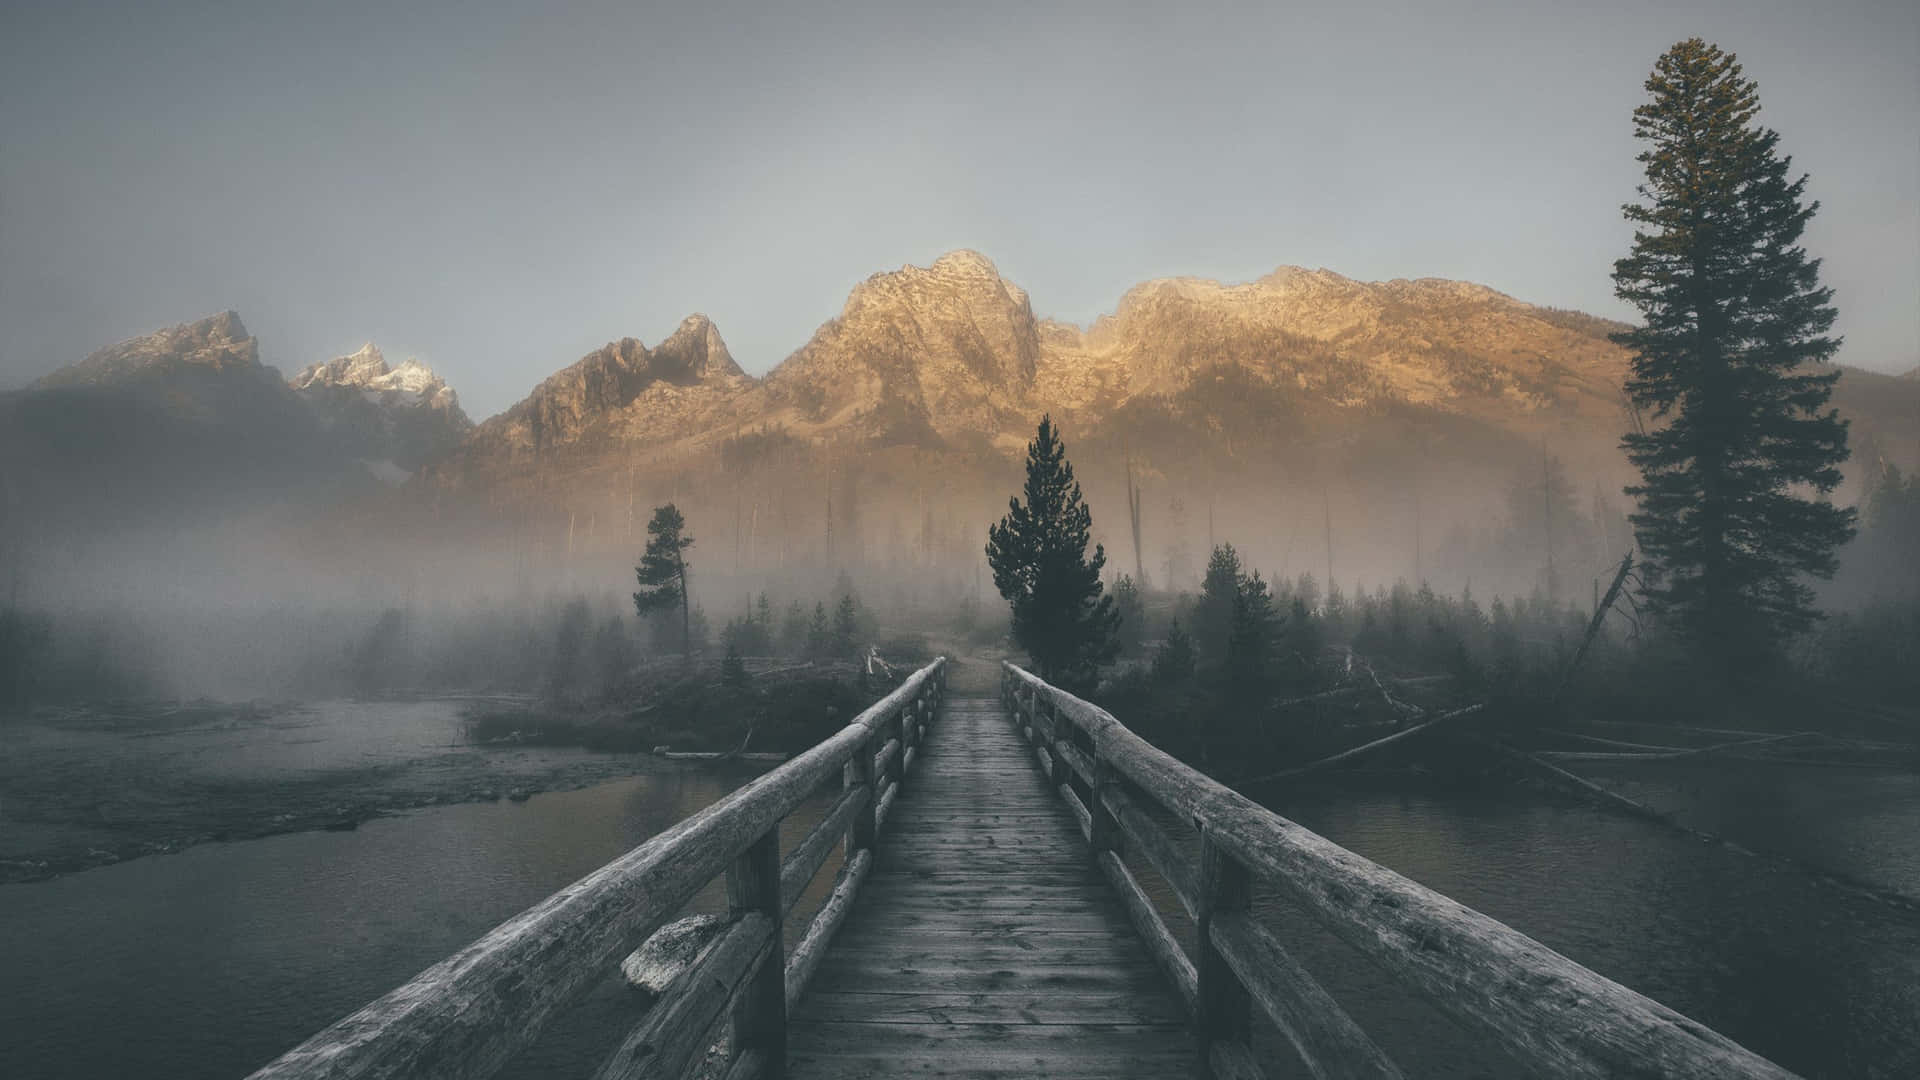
[986, 921]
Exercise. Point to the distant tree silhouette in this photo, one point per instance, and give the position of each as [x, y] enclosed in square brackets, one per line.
[846, 626]
[1250, 643]
[1132, 608]
[1038, 553]
[1213, 610]
[1734, 316]
[1173, 661]
[663, 570]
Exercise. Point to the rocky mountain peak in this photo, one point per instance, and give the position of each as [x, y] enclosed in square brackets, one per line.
[694, 351]
[215, 343]
[919, 352]
[365, 371]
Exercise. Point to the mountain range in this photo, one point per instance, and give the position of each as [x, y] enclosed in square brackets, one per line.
[911, 407]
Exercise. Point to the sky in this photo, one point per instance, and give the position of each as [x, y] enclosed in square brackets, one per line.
[498, 188]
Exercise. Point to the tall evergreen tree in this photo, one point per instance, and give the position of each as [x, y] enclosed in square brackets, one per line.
[1735, 320]
[1250, 643]
[663, 570]
[1038, 553]
[1213, 609]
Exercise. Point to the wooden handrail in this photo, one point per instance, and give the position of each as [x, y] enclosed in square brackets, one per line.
[468, 1014]
[1554, 1016]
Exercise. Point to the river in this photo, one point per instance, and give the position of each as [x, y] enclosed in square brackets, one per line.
[211, 961]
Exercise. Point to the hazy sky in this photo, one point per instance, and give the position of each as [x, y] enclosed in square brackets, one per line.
[500, 188]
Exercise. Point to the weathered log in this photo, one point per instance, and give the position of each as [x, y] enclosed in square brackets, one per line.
[884, 760]
[1081, 815]
[1222, 1010]
[885, 804]
[1233, 1061]
[1367, 748]
[1153, 932]
[1325, 695]
[674, 1031]
[1553, 1015]
[747, 1065]
[1667, 754]
[813, 945]
[1328, 1041]
[1146, 837]
[1593, 627]
[760, 1005]
[1075, 759]
[804, 861]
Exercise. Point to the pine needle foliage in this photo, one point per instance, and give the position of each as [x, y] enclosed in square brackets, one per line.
[1742, 444]
[1038, 553]
[662, 572]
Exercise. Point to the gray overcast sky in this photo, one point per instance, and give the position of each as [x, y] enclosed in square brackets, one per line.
[500, 188]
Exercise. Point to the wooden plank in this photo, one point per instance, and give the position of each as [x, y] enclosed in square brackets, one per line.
[1139, 977]
[993, 1008]
[984, 942]
[1329, 1043]
[1114, 1042]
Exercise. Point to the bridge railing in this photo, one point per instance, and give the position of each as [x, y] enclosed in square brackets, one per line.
[469, 1014]
[1552, 1015]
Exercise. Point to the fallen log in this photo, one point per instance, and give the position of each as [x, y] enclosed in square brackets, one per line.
[1850, 885]
[1593, 627]
[1671, 753]
[1366, 748]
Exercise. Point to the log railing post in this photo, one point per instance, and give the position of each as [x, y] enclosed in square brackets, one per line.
[1223, 1011]
[899, 727]
[860, 831]
[1060, 773]
[760, 1013]
[1105, 835]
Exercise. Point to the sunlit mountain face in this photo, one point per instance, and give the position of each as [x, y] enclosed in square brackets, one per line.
[1295, 414]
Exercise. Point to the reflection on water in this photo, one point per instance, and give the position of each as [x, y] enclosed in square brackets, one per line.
[1825, 984]
[210, 962]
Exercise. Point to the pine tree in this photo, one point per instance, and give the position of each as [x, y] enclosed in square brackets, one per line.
[1213, 611]
[846, 626]
[819, 633]
[1250, 642]
[1173, 661]
[1038, 553]
[1734, 318]
[1132, 608]
[663, 570]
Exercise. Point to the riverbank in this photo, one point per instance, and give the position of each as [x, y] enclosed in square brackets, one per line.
[87, 787]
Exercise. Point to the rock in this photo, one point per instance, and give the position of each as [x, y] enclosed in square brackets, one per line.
[671, 950]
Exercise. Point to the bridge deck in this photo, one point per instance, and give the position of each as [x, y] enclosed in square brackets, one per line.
[985, 943]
